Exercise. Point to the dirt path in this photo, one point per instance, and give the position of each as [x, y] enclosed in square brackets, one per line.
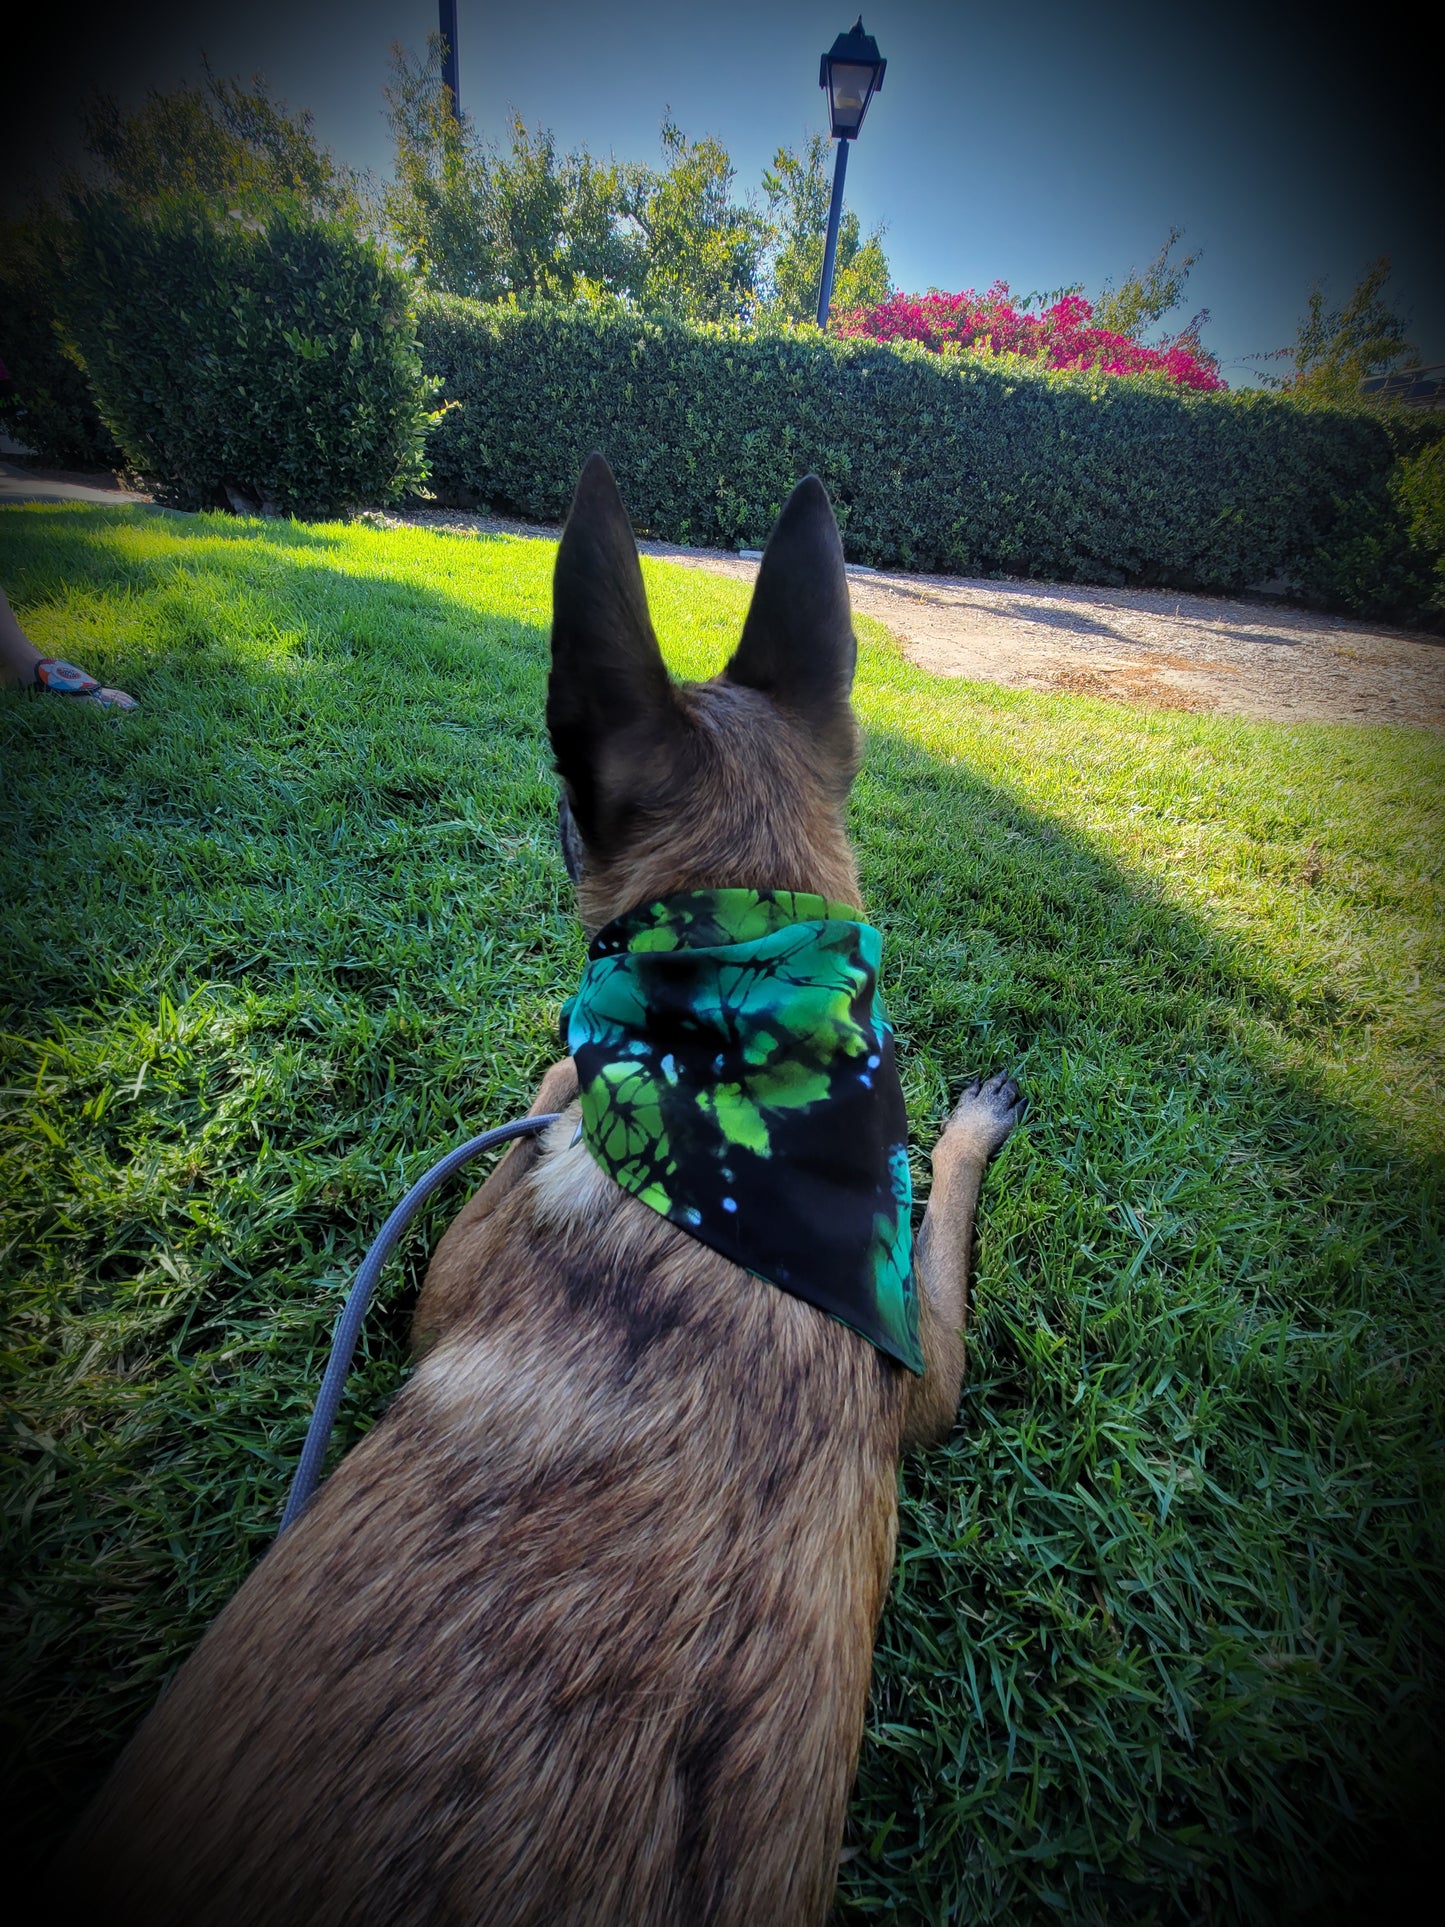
[1167, 650]
[1150, 646]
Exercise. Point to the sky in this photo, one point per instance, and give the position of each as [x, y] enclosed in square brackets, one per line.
[1041, 145]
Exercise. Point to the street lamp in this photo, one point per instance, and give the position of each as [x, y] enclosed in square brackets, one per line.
[447, 27]
[852, 72]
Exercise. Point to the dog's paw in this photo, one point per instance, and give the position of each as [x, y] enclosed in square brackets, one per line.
[984, 1116]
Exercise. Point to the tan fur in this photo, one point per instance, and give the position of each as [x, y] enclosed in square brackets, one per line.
[782, 828]
[582, 1630]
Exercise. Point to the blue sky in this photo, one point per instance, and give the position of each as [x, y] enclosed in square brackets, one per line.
[1042, 144]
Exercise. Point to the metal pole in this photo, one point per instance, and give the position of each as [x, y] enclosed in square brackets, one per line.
[830, 247]
[447, 26]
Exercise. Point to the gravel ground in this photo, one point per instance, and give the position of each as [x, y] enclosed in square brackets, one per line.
[1150, 646]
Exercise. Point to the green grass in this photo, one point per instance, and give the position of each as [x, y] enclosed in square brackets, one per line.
[1164, 1642]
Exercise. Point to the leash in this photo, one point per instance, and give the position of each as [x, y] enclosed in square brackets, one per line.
[348, 1327]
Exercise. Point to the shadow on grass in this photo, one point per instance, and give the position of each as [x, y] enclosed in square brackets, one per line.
[68, 530]
[1164, 1632]
[1181, 1558]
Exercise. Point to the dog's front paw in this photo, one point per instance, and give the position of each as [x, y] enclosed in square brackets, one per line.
[983, 1117]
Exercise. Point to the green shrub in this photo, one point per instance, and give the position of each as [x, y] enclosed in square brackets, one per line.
[967, 465]
[51, 410]
[1419, 483]
[272, 360]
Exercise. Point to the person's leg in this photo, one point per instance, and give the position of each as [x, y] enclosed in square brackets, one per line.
[22, 662]
[18, 653]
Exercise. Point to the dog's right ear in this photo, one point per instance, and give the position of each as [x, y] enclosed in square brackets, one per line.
[797, 644]
[612, 713]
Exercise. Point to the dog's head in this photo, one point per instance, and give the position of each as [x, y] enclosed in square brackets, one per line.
[737, 782]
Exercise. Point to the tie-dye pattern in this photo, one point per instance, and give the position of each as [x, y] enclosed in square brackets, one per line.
[737, 1075]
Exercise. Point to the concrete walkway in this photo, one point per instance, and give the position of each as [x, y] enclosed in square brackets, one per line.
[18, 484]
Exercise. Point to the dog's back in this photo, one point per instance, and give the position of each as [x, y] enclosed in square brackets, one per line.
[582, 1630]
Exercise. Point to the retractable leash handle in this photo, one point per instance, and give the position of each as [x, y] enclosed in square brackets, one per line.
[348, 1328]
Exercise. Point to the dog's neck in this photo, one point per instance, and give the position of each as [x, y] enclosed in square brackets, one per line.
[737, 1075]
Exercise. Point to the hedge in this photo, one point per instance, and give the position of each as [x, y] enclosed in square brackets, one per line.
[51, 409]
[954, 464]
[272, 363]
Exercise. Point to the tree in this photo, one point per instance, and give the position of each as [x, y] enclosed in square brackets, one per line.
[1336, 351]
[526, 221]
[798, 190]
[476, 221]
[558, 224]
[435, 210]
[704, 250]
[218, 143]
[1142, 300]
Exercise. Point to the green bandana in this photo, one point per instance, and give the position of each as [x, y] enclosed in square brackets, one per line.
[737, 1075]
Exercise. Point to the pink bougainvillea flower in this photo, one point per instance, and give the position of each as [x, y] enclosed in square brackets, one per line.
[1061, 336]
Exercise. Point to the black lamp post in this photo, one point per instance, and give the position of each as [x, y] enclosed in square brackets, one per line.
[852, 72]
[447, 26]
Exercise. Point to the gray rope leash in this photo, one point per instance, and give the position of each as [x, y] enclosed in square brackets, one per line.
[348, 1328]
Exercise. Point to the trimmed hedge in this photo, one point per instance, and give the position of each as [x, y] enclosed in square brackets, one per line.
[51, 410]
[273, 363]
[1419, 488]
[955, 464]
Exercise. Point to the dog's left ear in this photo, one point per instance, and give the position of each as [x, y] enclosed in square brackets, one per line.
[612, 712]
[798, 646]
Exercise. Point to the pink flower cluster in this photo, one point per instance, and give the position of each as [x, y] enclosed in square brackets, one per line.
[1061, 336]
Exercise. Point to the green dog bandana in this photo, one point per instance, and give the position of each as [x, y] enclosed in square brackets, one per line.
[737, 1075]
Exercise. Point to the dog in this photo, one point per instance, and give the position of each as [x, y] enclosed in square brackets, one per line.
[582, 1630]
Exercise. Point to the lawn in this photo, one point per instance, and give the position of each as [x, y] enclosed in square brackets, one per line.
[1165, 1638]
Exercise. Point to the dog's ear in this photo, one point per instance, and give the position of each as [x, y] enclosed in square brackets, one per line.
[798, 644]
[612, 713]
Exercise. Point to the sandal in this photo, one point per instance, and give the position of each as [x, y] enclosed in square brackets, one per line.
[61, 678]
